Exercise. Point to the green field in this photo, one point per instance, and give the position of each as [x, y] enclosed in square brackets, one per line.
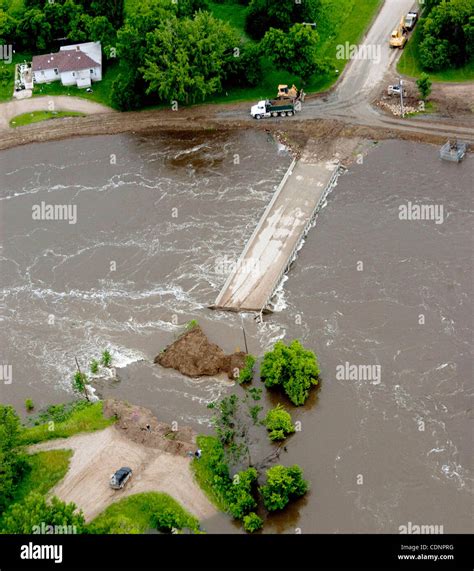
[139, 510]
[37, 116]
[409, 65]
[85, 419]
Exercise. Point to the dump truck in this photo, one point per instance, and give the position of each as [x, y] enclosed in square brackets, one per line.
[398, 38]
[280, 108]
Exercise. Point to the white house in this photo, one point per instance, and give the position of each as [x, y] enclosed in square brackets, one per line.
[78, 64]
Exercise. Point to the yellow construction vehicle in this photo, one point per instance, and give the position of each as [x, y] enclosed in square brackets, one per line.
[398, 39]
[285, 92]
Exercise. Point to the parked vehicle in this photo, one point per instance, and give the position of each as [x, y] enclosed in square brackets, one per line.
[395, 90]
[410, 20]
[120, 478]
[281, 108]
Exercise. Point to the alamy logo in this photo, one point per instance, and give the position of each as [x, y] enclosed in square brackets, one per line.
[45, 529]
[349, 372]
[347, 51]
[32, 551]
[45, 211]
[226, 266]
[415, 529]
[412, 211]
[6, 54]
[6, 374]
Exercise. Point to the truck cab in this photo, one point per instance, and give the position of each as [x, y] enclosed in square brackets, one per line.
[259, 110]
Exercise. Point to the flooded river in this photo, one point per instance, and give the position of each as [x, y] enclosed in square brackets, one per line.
[141, 252]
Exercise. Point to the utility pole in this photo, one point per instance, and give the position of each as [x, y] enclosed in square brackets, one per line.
[401, 98]
[245, 336]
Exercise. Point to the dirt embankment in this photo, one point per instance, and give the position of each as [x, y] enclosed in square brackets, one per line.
[140, 425]
[193, 355]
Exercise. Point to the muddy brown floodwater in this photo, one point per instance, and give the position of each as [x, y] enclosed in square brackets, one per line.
[156, 218]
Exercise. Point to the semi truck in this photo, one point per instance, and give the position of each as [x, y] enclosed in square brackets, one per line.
[281, 108]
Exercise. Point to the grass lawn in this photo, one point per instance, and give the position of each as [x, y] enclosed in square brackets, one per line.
[87, 418]
[101, 91]
[410, 66]
[232, 13]
[37, 116]
[139, 509]
[47, 469]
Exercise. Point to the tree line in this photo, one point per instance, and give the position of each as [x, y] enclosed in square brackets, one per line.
[171, 52]
[447, 34]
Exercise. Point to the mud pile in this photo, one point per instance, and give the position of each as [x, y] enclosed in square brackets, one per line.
[140, 425]
[193, 355]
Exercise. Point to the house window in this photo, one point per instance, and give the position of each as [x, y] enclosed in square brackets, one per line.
[92, 71]
[56, 72]
[73, 74]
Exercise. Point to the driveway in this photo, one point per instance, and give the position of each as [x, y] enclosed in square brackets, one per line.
[55, 103]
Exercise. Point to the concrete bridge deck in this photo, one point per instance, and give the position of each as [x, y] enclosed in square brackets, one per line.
[274, 242]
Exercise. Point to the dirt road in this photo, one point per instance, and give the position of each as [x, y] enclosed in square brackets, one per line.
[98, 454]
[57, 103]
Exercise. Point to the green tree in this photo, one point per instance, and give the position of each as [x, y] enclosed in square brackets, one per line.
[282, 14]
[278, 423]
[94, 366]
[293, 367]
[446, 35]
[79, 383]
[34, 510]
[186, 59]
[233, 419]
[424, 86]
[127, 88]
[295, 50]
[252, 522]
[13, 463]
[283, 485]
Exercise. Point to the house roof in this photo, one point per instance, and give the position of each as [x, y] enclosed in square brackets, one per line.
[68, 60]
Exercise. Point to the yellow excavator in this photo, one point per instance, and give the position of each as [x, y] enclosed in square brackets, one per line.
[285, 92]
[398, 39]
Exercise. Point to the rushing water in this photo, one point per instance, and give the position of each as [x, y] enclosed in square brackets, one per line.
[155, 215]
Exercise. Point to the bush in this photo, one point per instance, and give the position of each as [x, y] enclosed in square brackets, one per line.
[294, 368]
[252, 522]
[106, 359]
[29, 405]
[34, 511]
[246, 373]
[191, 324]
[279, 423]
[166, 520]
[94, 366]
[233, 496]
[283, 485]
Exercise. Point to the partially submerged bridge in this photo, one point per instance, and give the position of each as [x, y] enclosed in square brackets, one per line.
[277, 237]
